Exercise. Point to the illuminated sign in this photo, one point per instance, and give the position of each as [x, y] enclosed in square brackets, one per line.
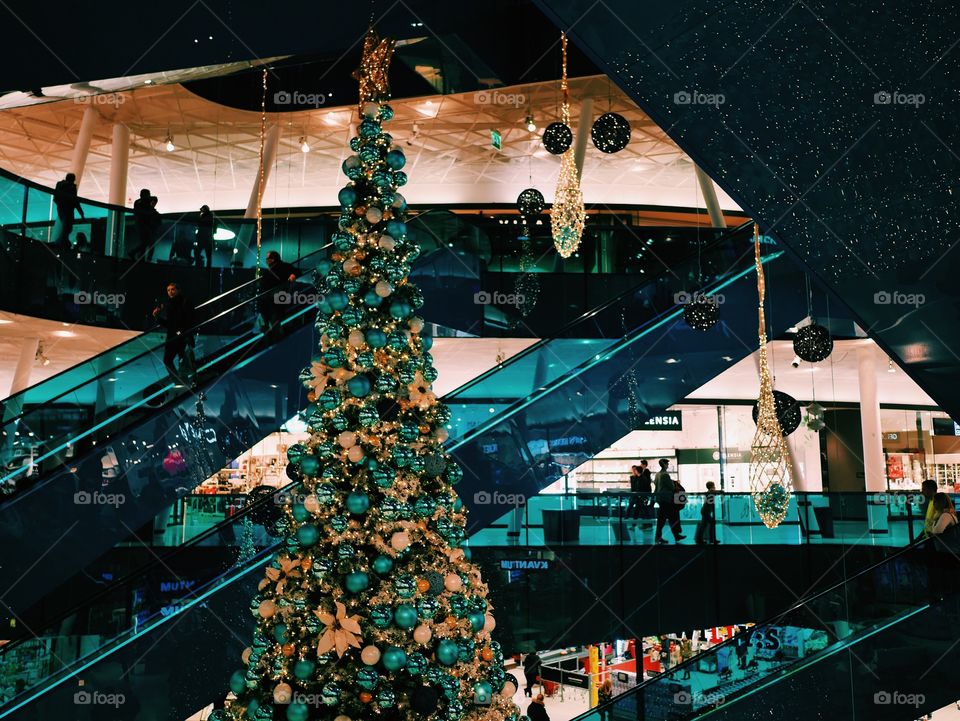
[666, 421]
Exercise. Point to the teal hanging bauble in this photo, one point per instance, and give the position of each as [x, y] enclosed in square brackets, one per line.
[296, 452]
[365, 359]
[434, 464]
[404, 585]
[323, 266]
[382, 179]
[376, 338]
[443, 413]
[425, 506]
[238, 682]
[357, 582]
[368, 678]
[280, 633]
[307, 535]
[417, 664]
[435, 675]
[337, 299]
[405, 510]
[329, 399]
[369, 128]
[467, 647]
[342, 241]
[371, 299]
[384, 476]
[450, 687]
[387, 197]
[400, 178]
[408, 432]
[359, 386]
[385, 383]
[477, 604]
[400, 309]
[347, 196]
[453, 474]
[345, 551]
[476, 621]
[321, 568]
[417, 465]
[385, 113]
[339, 525]
[398, 339]
[428, 607]
[447, 652]
[358, 503]
[458, 604]
[298, 712]
[324, 449]
[393, 658]
[369, 153]
[330, 693]
[325, 493]
[334, 330]
[386, 697]
[368, 416]
[381, 616]
[355, 144]
[382, 565]
[291, 544]
[457, 535]
[334, 357]
[339, 422]
[396, 271]
[352, 286]
[396, 159]
[303, 669]
[401, 456]
[309, 465]
[405, 616]
[454, 710]
[406, 372]
[430, 374]
[397, 228]
[443, 526]
[415, 295]
[390, 508]
[352, 317]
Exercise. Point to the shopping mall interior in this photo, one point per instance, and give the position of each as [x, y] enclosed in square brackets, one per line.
[536, 360]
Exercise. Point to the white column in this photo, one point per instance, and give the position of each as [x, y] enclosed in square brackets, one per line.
[119, 162]
[270, 143]
[82, 145]
[583, 130]
[21, 375]
[873, 462]
[709, 192]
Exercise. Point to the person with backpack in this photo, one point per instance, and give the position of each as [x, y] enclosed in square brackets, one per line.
[667, 498]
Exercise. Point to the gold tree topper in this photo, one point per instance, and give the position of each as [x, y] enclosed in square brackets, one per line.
[374, 64]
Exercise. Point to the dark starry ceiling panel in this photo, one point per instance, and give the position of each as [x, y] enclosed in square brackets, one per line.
[834, 124]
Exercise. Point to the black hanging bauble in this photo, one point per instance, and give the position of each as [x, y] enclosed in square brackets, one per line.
[702, 313]
[610, 133]
[557, 138]
[788, 412]
[813, 343]
[530, 203]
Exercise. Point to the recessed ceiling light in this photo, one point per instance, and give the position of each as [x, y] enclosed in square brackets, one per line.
[4, 321]
[64, 333]
[672, 360]
[727, 358]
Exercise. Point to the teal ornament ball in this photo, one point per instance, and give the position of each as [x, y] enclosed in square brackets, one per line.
[355, 144]
[238, 682]
[400, 309]
[417, 664]
[368, 416]
[353, 317]
[384, 476]
[450, 687]
[404, 585]
[397, 228]
[386, 697]
[400, 178]
[334, 357]
[385, 113]
[382, 565]
[280, 632]
[405, 616]
[428, 607]
[359, 386]
[458, 604]
[427, 342]
[368, 678]
[409, 432]
[382, 179]
[447, 652]
[341, 241]
[385, 383]
[296, 452]
[337, 299]
[300, 512]
[476, 621]
[435, 579]
[381, 616]
[390, 508]
[345, 551]
[358, 503]
[321, 567]
[369, 154]
[357, 582]
[376, 338]
[369, 128]
[330, 694]
[329, 399]
[393, 658]
[298, 712]
[401, 456]
[398, 339]
[425, 506]
[304, 669]
[453, 474]
[347, 196]
[396, 159]
[309, 465]
[307, 535]
[371, 299]
[262, 713]
[325, 493]
[365, 359]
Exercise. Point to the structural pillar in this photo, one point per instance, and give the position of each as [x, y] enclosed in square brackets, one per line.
[583, 130]
[119, 162]
[81, 148]
[709, 191]
[874, 465]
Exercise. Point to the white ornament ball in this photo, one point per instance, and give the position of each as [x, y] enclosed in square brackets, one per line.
[441, 434]
[370, 655]
[350, 266]
[399, 541]
[374, 214]
[356, 338]
[399, 200]
[342, 717]
[245, 656]
[422, 634]
[489, 623]
[355, 454]
[453, 582]
[383, 288]
[370, 110]
[416, 324]
[311, 503]
[282, 693]
[387, 242]
[347, 439]
[267, 608]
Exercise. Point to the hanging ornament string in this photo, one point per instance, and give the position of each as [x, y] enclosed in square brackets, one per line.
[260, 180]
[771, 475]
[568, 215]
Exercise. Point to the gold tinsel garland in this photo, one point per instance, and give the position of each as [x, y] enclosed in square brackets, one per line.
[771, 474]
[568, 215]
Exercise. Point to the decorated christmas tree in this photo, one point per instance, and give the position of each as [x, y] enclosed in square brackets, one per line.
[372, 610]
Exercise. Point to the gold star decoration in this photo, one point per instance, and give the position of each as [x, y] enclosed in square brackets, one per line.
[342, 630]
[374, 64]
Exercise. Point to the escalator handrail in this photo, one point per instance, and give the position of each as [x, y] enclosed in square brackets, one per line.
[800, 603]
[587, 315]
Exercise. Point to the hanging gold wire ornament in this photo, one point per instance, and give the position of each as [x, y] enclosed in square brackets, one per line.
[568, 214]
[374, 66]
[771, 475]
[261, 178]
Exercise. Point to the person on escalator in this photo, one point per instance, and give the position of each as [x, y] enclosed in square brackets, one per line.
[668, 511]
[176, 315]
[65, 198]
[206, 226]
[275, 300]
[929, 489]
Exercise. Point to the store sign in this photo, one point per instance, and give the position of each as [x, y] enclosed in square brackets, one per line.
[666, 421]
[526, 564]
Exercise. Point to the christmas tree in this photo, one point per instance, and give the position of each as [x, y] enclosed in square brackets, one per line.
[372, 610]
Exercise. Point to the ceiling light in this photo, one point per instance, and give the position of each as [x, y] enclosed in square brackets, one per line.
[64, 333]
[304, 146]
[5, 321]
[727, 358]
[531, 126]
[148, 81]
[672, 360]
[222, 234]
[890, 367]
[792, 329]
[169, 144]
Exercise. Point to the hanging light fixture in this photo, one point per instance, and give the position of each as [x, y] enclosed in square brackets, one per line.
[568, 214]
[304, 145]
[529, 122]
[168, 143]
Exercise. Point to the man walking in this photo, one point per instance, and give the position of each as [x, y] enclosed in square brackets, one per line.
[668, 511]
[65, 198]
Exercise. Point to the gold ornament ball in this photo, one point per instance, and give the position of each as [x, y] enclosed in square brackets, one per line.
[287, 649]
[422, 634]
[383, 288]
[311, 503]
[487, 653]
[370, 110]
[351, 267]
[453, 582]
[442, 434]
[387, 242]
[370, 655]
[355, 454]
[423, 585]
[347, 439]
[399, 541]
[416, 324]
[365, 697]
[282, 693]
[356, 338]
[489, 623]
[267, 608]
